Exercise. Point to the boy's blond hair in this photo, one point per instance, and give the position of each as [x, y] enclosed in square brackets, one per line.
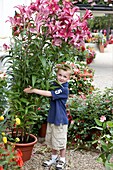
[64, 67]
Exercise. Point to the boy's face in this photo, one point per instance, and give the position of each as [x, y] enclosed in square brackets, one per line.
[63, 76]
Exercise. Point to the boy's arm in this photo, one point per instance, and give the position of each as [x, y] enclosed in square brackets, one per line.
[38, 91]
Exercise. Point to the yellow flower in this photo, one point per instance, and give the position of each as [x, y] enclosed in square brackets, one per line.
[4, 139]
[17, 140]
[17, 121]
[1, 118]
[3, 134]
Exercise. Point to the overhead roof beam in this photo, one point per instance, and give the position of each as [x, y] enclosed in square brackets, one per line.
[96, 8]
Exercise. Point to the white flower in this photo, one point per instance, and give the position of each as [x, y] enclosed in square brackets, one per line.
[102, 118]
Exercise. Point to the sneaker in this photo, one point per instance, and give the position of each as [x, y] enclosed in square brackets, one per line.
[60, 165]
[49, 162]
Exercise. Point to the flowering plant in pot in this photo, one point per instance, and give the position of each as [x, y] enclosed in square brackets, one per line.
[90, 54]
[9, 157]
[87, 54]
[43, 34]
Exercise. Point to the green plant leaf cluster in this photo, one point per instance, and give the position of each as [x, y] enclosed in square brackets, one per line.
[84, 111]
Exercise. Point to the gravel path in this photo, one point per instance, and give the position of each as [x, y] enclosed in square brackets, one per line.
[76, 160]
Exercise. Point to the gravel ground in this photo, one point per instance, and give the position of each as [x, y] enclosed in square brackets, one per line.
[76, 160]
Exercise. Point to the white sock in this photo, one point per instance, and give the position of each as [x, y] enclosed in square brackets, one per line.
[62, 159]
[54, 157]
[51, 161]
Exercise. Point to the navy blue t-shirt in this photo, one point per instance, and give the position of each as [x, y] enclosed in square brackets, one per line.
[57, 113]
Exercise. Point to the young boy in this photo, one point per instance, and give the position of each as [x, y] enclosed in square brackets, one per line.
[56, 134]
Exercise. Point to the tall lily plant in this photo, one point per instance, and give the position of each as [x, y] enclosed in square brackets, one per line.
[44, 33]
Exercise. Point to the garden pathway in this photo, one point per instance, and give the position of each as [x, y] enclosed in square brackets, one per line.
[103, 66]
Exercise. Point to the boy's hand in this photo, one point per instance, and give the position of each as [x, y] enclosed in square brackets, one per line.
[28, 90]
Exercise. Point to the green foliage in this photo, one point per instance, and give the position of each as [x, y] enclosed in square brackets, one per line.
[81, 80]
[105, 142]
[10, 158]
[101, 38]
[84, 110]
[3, 102]
[3, 90]
[31, 62]
[101, 22]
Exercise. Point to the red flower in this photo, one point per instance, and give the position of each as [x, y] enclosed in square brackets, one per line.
[39, 108]
[83, 48]
[19, 153]
[18, 158]
[78, 136]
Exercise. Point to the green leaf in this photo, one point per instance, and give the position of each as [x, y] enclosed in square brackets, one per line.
[24, 100]
[104, 125]
[110, 124]
[33, 80]
[104, 146]
[96, 127]
[108, 165]
[98, 122]
[43, 61]
[94, 141]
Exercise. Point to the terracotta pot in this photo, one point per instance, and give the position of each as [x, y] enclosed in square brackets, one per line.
[101, 48]
[26, 148]
[42, 130]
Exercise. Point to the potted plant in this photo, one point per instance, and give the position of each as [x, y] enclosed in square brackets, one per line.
[101, 42]
[40, 126]
[9, 157]
[90, 54]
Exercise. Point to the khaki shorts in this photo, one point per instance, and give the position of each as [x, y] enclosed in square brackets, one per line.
[56, 136]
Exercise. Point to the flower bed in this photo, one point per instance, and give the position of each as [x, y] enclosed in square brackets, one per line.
[83, 111]
[81, 80]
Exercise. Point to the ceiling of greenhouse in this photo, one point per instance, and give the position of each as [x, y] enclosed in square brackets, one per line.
[98, 10]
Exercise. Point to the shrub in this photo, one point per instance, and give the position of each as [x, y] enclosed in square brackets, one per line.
[84, 109]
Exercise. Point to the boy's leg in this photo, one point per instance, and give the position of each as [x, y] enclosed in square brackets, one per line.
[61, 164]
[62, 152]
[48, 139]
[57, 138]
[53, 159]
